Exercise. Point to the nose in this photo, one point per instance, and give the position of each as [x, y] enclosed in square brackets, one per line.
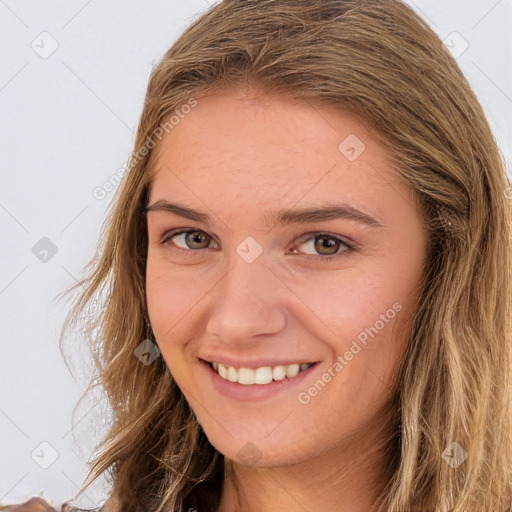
[248, 301]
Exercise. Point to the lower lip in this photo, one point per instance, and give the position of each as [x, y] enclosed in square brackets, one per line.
[253, 392]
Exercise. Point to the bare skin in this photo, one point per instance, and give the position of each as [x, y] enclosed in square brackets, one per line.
[32, 505]
[236, 157]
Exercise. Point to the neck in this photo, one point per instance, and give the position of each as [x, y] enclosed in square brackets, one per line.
[347, 479]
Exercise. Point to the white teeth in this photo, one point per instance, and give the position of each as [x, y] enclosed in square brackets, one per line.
[262, 375]
[222, 371]
[279, 373]
[232, 374]
[246, 376]
[292, 370]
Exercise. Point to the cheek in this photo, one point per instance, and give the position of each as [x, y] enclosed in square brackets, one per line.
[173, 296]
[344, 306]
[364, 337]
[361, 317]
[171, 291]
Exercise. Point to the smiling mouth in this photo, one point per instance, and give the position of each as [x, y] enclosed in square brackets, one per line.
[262, 375]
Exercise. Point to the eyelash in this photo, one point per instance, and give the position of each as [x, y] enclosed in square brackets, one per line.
[350, 247]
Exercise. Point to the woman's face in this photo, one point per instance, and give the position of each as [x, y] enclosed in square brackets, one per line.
[303, 247]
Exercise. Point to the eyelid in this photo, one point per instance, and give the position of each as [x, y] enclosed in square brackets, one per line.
[180, 231]
[311, 234]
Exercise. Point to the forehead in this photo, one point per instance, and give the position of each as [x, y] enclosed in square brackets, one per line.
[251, 151]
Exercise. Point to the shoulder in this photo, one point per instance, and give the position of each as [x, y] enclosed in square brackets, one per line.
[34, 504]
[37, 504]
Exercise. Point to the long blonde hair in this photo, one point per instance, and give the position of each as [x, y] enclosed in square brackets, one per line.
[378, 60]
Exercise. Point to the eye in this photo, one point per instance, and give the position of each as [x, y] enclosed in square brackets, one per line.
[327, 246]
[191, 239]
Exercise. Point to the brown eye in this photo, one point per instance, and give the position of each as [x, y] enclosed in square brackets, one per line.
[326, 246]
[188, 240]
[326, 243]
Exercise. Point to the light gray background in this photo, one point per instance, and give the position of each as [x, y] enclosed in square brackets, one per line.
[68, 123]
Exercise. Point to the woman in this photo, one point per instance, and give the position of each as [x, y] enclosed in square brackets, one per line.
[306, 274]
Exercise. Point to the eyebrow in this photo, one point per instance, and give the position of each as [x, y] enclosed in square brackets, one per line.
[327, 211]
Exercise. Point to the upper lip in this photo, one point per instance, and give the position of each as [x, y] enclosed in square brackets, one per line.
[254, 363]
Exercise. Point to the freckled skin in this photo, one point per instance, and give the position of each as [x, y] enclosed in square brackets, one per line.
[234, 158]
